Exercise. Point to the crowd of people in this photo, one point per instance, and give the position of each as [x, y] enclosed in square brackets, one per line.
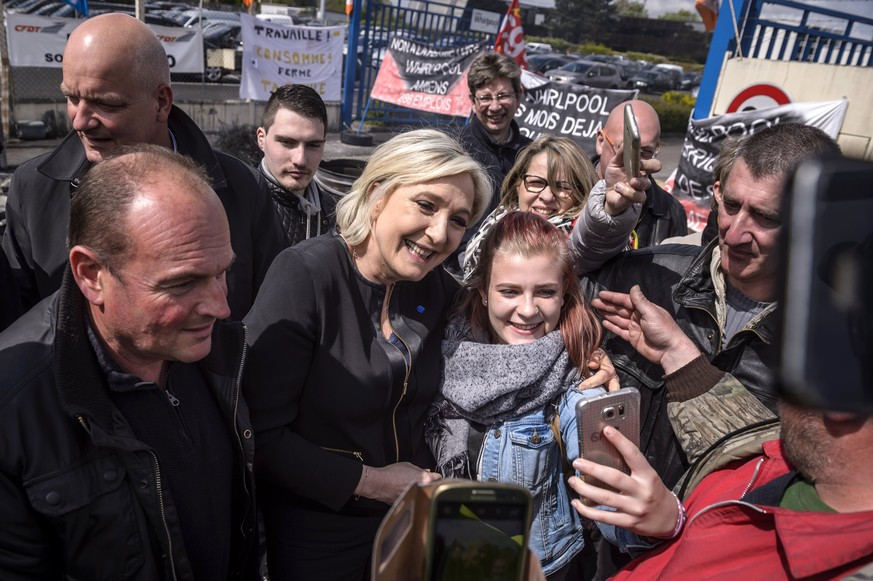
[214, 371]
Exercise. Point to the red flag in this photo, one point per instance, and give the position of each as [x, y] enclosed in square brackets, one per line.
[510, 37]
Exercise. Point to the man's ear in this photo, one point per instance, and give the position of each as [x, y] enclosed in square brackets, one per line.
[262, 138]
[164, 103]
[89, 274]
[716, 192]
[598, 143]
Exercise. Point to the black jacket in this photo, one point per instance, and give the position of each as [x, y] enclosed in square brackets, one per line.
[80, 496]
[38, 215]
[292, 219]
[325, 388]
[677, 277]
[662, 217]
[496, 159]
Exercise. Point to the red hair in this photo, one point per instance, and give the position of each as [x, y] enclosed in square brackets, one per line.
[526, 234]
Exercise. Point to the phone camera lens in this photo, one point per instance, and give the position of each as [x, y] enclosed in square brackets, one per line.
[609, 413]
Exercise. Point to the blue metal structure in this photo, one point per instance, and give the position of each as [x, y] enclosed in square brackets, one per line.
[783, 30]
[370, 28]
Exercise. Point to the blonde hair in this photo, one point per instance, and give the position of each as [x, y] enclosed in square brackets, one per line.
[563, 155]
[410, 158]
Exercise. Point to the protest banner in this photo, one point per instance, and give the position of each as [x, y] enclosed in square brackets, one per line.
[692, 181]
[277, 54]
[420, 77]
[568, 110]
[39, 41]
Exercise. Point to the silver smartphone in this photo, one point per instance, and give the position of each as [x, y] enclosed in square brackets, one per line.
[631, 143]
[619, 409]
[477, 530]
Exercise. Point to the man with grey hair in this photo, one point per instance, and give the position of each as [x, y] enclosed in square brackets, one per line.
[126, 451]
[117, 84]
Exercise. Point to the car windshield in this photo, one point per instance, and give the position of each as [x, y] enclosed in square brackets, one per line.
[577, 67]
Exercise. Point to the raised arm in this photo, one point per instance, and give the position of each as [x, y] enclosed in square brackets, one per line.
[611, 213]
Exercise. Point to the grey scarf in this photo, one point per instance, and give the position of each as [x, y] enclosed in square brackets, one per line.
[488, 383]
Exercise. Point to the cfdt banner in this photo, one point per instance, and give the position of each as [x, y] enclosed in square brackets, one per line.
[39, 41]
[424, 78]
[568, 110]
[277, 54]
[692, 181]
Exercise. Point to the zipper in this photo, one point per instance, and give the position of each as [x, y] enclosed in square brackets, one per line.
[83, 422]
[407, 370]
[159, 488]
[236, 398]
[173, 399]
[355, 453]
[725, 503]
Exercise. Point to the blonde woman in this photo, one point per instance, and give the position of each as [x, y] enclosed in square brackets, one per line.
[345, 355]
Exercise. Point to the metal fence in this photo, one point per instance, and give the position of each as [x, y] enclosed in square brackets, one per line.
[792, 31]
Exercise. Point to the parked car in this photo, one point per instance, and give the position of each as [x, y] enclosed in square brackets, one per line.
[651, 81]
[593, 74]
[689, 81]
[543, 63]
[537, 47]
[673, 72]
[628, 69]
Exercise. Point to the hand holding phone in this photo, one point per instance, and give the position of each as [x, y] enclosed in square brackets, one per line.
[631, 143]
[619, 409]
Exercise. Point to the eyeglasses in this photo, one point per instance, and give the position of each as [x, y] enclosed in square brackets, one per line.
[645, 153]
[536, 184]
[502, 98]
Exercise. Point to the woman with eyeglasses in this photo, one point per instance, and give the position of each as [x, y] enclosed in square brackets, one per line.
[551, 178]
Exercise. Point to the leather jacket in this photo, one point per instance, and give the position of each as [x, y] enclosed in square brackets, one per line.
[81, 496]
[38, 214]
[680, 279]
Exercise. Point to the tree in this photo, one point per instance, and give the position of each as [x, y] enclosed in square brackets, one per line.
[681, 16]
[581, 21]
[631, 8]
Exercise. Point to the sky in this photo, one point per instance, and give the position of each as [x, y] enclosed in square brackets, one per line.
[863, 7]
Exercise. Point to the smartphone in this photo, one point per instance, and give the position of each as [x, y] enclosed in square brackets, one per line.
[477, 530]
[826, 318]
[631, 143]
[619, 409]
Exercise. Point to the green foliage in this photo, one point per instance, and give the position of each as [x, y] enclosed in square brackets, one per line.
[580, 20]
[681, 16]
[631, 8]
[679, 98]
[674, 115]
[240, 141]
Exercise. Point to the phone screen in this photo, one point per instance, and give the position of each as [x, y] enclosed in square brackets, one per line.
[478, 541]
[827, 358]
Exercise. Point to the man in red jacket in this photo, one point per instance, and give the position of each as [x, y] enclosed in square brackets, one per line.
[761, 506]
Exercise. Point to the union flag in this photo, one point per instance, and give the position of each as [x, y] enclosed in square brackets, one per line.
[510, 37]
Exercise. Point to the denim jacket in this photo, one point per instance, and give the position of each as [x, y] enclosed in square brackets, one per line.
[523, 451]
